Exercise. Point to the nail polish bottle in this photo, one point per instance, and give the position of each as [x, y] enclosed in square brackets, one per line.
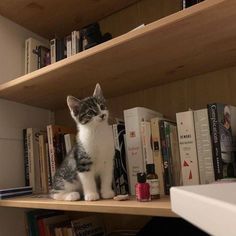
[142, 188]
[152, 179]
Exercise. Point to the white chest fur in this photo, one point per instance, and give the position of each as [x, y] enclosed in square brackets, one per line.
[98, 143]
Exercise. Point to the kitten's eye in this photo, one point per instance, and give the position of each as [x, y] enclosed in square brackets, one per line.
[102, 107]
[91, 113]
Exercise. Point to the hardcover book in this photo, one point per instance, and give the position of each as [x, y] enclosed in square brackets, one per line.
[157, 153]
[204, 146]
[222, 121]
[169, 154]
[120, 169]
[13, 192]
[43, 157]
[188, 148]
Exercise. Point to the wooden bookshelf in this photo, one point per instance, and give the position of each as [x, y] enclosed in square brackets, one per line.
[159, 207]
[59, 17]
[194, 41]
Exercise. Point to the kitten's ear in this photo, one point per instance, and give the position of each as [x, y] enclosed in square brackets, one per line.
[98, 91]
[74, 104]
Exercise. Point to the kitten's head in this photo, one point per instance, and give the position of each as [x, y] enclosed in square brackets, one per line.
[90, 110]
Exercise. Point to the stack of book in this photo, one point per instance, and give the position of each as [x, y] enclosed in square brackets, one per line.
[39, 53]
[44, 151]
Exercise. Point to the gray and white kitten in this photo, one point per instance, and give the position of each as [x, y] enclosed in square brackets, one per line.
[91, 159]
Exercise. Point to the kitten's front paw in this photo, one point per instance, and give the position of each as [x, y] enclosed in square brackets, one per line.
[91, 196]
[107, 194]
[73, 196]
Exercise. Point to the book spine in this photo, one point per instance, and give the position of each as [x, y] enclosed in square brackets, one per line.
[26, 161]
[36, 157]
[134, 149]
[31, 159]
[175, 156]
[68, 46]
[164, 150]
[215, 137]
[43, 164]
[78, 41]
[53, 50]
[51, 151]
[73, 42]
[117, 172]
[27, 54]
[48, 167]
[204, 147]
[121, 153]
[146, 142]
[188, 149]
[157, 154]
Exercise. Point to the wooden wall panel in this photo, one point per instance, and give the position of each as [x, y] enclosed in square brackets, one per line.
[194, 93]
[144, 11]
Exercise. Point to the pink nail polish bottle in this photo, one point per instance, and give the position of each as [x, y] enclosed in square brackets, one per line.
[142, 188]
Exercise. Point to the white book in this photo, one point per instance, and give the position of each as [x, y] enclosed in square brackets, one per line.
[135, 160]
[188, 148]
[31, 58]
[157, 154]
[53, 50]
[68, 46]
[75, 36]
[147, 142]
[204, 147]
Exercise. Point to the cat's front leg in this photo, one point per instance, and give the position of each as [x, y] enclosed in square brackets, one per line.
[106, 181]
[89, 185]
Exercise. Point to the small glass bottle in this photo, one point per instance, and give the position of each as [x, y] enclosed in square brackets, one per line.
[142, 188]
[153, 181]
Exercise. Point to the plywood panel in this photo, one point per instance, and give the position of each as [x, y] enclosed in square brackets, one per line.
[159, 207]
[194, 93]
[58, 17]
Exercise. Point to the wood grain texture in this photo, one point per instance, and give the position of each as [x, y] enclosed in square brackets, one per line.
[194, 93]
[58, 17]
[159, 207]
[172, 48]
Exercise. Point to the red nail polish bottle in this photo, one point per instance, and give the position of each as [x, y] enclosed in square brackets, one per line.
[142, 188]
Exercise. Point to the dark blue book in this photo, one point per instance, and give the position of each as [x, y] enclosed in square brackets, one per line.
[13, 192]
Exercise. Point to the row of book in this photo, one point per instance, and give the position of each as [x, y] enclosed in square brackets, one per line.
[39, 53]
[207, 141]
[44, 150]
[152, 139]
[198, 148]
[57, 223]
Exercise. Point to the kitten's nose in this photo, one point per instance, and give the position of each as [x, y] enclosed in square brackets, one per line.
[102, 116]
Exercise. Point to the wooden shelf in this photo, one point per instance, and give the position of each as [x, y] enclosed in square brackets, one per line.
[59, 17]
[159, 207]
[194, 41]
